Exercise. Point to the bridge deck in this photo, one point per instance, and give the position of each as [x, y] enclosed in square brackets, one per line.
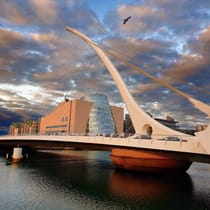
[181, 148]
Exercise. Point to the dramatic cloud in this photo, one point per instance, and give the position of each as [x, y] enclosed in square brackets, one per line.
[11, 13]
[40, 62]
[45, 10]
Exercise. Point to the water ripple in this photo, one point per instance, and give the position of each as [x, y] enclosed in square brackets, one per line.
[88, 181]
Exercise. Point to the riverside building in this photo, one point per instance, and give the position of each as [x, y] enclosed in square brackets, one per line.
[90, 115]
[28, 127]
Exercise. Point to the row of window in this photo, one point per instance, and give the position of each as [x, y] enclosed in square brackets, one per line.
[57, 126]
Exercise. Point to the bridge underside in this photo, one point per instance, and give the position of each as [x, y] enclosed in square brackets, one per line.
[49, 145]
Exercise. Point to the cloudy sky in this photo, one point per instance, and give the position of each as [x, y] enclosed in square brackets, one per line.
[41, 63]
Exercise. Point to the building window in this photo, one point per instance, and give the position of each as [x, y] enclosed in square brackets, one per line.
[56, 126]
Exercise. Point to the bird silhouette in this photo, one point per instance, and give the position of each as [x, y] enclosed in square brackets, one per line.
[126, 19]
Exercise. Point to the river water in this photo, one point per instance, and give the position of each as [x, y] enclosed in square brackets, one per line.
[68, 179]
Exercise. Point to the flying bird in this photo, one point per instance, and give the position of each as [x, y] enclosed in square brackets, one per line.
[126, 19]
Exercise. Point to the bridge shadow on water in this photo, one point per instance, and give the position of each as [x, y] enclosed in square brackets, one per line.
[162, 191]
[91, 175]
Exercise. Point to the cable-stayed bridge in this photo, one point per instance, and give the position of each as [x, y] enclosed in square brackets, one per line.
[154, 145]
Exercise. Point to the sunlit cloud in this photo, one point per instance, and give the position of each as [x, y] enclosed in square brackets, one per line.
[40, 62]
[45, 10]
[12, 13]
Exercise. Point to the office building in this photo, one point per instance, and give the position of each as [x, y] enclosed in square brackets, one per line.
[90, 115]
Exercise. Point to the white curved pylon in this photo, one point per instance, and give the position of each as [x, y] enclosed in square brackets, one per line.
[142, 122]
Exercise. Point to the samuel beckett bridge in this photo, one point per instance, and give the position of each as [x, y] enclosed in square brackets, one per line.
[153, 146]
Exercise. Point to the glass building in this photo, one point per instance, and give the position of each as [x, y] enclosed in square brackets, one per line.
[100, 118]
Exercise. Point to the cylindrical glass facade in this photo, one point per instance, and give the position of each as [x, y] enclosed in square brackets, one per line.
[100, 117]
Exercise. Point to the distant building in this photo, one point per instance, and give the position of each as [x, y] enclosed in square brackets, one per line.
[27, 127]
[169, 122]
[91, 114]
[128, 126]
[15, 129]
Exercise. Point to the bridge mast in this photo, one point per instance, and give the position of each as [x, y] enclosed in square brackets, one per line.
[142, 122]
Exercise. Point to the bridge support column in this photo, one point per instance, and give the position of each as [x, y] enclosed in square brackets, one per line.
[17, 154]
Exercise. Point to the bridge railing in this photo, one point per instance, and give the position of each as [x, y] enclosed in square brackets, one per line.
[177, 138]
[160, 142]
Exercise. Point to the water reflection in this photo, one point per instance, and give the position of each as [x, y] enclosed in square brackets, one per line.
[87, 180]
[150, 186]
[87, 174]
